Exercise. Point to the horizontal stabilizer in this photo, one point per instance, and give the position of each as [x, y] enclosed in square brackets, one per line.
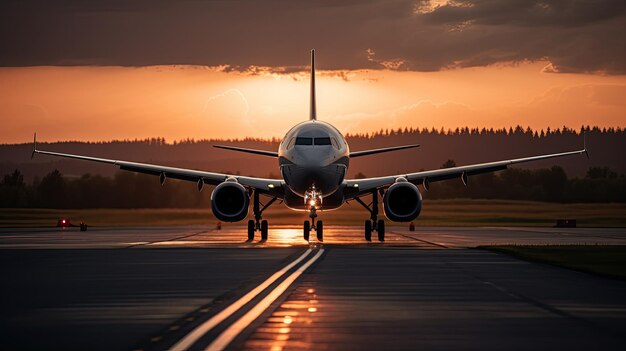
[378, 151]
[250, 151]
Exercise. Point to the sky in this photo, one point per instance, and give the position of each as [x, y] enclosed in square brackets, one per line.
[102, 70]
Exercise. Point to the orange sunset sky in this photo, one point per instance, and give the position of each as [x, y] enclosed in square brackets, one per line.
[122, 74]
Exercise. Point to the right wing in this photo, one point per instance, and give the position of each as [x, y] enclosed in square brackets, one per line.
[271, 187]
[378, 151]
[360, 187]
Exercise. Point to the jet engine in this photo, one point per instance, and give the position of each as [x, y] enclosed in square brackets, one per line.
[402, 202]
[230, 202]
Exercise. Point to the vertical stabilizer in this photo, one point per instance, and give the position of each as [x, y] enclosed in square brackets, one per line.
[313, 112]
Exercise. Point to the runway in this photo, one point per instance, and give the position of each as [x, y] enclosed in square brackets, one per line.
[285, 236]
[152, 288]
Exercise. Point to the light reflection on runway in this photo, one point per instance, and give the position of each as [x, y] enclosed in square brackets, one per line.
[290, 324]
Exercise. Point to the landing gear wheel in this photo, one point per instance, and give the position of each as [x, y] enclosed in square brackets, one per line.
[307, 230]
[264, 229]
[368, 230]
[251, 230]
[319, 231]
[373, 223]
[380, 228]
[257, 223]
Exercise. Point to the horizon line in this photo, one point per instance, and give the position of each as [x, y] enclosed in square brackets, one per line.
[384, 132]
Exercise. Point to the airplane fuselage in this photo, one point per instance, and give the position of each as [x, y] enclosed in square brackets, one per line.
[313, 156]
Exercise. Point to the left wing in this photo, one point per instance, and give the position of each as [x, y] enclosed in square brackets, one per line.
[268, 186]
[250, 151]
[359, 187]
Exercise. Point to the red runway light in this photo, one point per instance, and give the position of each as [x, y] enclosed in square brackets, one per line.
[63, 222]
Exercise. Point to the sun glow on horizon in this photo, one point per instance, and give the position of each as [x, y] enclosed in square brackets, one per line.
[180, 102]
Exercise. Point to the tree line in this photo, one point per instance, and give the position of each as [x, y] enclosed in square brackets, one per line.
[511, 131]
[600, 184]
[124, 190]
[130, 190]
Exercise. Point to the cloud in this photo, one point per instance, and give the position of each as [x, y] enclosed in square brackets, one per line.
[249, 36]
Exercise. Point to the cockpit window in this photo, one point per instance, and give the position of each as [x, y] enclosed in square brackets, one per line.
[304, 141]
[291, 142]
[334, 142]
[322, 141]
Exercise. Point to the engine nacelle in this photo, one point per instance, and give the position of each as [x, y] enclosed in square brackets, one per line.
[402, 202]
[230, 202]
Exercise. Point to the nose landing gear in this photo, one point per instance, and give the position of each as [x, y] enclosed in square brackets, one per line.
[373, 224]
[312, 199]
[257, 223]
[318, 226]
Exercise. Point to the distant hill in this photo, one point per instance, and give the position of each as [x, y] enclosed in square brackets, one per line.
[464, 146]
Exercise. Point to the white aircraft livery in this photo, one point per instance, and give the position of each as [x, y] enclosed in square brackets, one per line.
[313, 158]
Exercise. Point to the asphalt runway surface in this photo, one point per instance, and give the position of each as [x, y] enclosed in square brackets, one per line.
[198, 288]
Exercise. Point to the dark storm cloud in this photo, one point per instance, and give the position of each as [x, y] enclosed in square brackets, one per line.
[551, 13]
[576, 36]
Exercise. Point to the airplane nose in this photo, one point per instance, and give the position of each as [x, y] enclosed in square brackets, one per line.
[313, 156]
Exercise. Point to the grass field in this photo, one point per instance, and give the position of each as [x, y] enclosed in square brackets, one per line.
[597, 259]
[434, 213]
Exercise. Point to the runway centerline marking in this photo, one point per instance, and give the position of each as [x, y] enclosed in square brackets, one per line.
[205, 327]
[228, 335]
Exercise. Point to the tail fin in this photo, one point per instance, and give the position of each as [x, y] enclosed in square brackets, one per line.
[313, 112]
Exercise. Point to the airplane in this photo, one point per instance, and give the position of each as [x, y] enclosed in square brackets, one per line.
[313, 158]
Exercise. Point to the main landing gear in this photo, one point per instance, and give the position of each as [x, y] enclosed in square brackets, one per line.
[373, 224]
[312, 199]
[256, 223]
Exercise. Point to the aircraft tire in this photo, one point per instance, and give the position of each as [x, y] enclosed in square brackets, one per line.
[264, 229]
[319, 231]
[307, 230]
[368, 230]
[380, 229]
[251, 230]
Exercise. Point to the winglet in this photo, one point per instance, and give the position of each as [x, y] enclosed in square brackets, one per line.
[585, 144]
[34, 146]
[313, 112]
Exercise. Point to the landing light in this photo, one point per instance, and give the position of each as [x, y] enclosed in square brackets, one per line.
[312, 202]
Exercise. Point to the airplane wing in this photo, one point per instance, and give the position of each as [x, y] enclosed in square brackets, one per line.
[267, 186]
[359, 187]
[354, 154]
[250, 151]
